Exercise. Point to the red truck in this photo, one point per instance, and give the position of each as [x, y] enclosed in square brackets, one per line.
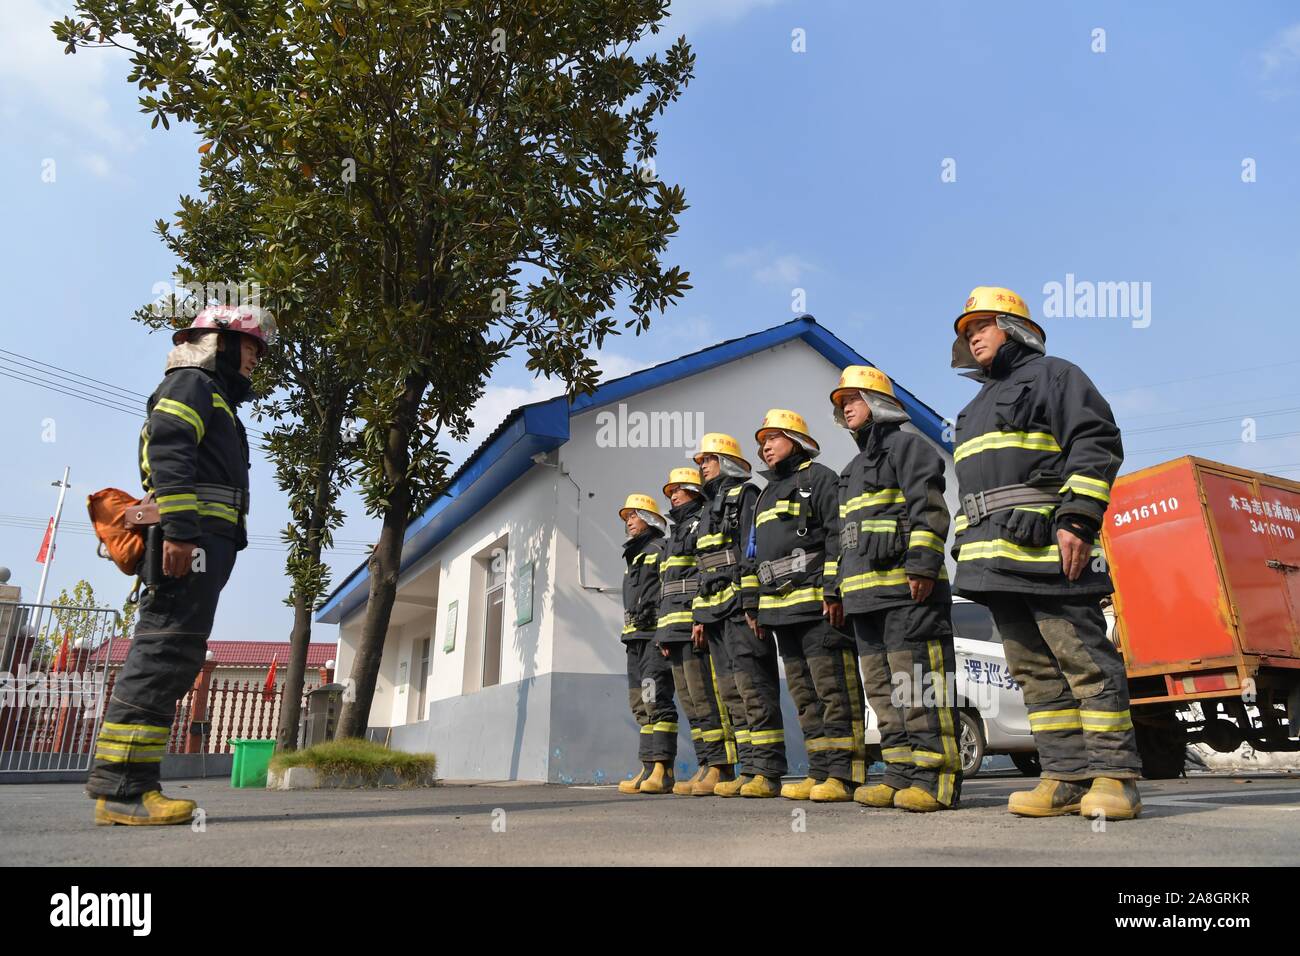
[1205, 559]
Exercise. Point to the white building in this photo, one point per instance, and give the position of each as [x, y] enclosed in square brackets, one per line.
[503, 654]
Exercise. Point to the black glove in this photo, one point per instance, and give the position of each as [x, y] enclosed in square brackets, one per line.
[1030, 528]
[883, 548]
[1080, 525]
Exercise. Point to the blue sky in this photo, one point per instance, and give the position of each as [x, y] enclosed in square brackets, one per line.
[817, 170]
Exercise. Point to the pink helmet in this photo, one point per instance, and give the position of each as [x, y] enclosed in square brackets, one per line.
[250, 320]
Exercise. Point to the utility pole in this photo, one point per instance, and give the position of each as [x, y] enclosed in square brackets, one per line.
[54, 531]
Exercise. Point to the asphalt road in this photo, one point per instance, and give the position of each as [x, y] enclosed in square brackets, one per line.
[1200, 821]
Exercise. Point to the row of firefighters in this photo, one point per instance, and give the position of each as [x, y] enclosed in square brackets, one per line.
[845, 577]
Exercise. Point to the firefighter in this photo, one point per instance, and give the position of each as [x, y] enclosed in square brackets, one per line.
[1037, 450]
[193, 457]
[649, 676]
[691, 665]
[746, 666]
[796, 546]
[894, 586]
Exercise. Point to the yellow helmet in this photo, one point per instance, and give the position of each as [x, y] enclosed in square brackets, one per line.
[688, 478]
[863, 378]
[638, 503]
[716, 443]
[784, 420]
[989, 300]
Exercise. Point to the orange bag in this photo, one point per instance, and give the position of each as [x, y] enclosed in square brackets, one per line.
[119, 520]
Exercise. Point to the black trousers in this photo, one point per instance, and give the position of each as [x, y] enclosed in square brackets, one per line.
[650, 694]
[908, 663]
[752, 690]
[1074, 682]
[166, 654]
[821, 670]
[698, 695]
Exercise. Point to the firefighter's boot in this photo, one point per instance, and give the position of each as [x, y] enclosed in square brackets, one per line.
[633, 785]
[683, 788]
[1111, 799]
[1051, 798]
[761, 787]
[147, 809]
[732, 788]
[660, 779]
[917, 800]
[876, 795]
[799, 791]
[705, 785]
[831, 790]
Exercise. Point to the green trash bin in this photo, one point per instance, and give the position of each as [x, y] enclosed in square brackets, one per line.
[252, 758]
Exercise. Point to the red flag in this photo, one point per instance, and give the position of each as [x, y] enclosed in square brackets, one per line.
[61, 662]
[45, 543]
[269, 691]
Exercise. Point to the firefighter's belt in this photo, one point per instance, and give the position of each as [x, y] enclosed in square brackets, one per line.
[769, 571]
[981, 504]
[716, 559]
[684, 586]
[236, 498]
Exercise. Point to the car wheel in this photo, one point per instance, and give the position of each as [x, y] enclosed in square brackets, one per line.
[1027, 763]
[970, 744]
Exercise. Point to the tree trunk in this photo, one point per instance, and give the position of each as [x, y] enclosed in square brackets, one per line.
[384, 564]
[286, 736]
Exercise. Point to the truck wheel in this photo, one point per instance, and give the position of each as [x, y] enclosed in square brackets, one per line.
[970, 744]
[1027, 763]
[1162, 745]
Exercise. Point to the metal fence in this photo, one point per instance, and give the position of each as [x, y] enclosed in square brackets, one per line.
[53, 676]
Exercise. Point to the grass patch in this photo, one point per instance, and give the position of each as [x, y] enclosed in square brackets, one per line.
[354, 757]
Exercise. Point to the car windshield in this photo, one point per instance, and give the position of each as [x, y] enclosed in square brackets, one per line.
[973, 622]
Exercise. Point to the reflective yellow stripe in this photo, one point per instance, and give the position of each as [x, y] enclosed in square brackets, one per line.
[802, 595]
[780, 508]
[664, 727]
[630, 628]
[1045, 510]
[647, 728]
[219, 402]
[749, 581]
[213, 509]
[925, 539]
[713, 600]
[1001, 548]
[742, 736]
[1049, 720]
[878, 525]
[886, 496]
[679, 561]
[1083, 485]
[758, 738]
[853, 680]
[990, 441]
[646, 557]
[880, 579]
[144, 454]
[139, 730]
[896, 754]
[947, 731]
[696, 733]
[819, 744]
[728, 737]
[831, 568]
[183, 412]
[713, 736]
[927, 759]
[1106, 721]
[709, 541]
[960, 524]
[170, 504]
[677, 617]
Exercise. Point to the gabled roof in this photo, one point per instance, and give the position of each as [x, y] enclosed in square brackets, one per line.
[543, 426]
[244, 653]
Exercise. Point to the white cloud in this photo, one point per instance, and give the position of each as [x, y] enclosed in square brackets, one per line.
[97, 164]
[691, 17]
[768, 266]
[1283, 51]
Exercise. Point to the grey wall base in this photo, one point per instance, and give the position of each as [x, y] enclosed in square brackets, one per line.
[560, 728]
[174, 767]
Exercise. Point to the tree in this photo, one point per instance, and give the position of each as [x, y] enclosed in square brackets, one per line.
[481, 173]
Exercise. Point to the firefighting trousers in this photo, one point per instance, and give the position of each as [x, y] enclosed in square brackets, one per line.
[1075, 686]
[821, 670]
[908, 669]
[751, 689]
[650, 692]
[693, 679]
[166, 654]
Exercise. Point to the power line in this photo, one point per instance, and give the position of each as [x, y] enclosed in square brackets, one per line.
[1208, 444]
[1209, 421]
[1217, 404]
[1197, 378]
[26, 359]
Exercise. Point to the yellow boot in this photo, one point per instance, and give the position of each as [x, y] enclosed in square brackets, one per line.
[879, 795]
[732, 788]
[1111, 798]
[761, 787]
[660, 779]
[633, 785]
[831, 790]
[917, 800]
[716, 775]
[683, 788]
[148, 809]
[1051, 798]
[799, 791]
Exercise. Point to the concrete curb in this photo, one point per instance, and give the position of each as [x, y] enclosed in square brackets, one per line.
[305, 778]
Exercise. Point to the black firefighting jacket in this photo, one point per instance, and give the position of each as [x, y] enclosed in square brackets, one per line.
[724, 527]
[1037, 420]
[893, 520]
[193, 456]
[642, 555]
[797, 513]
[678, 565]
